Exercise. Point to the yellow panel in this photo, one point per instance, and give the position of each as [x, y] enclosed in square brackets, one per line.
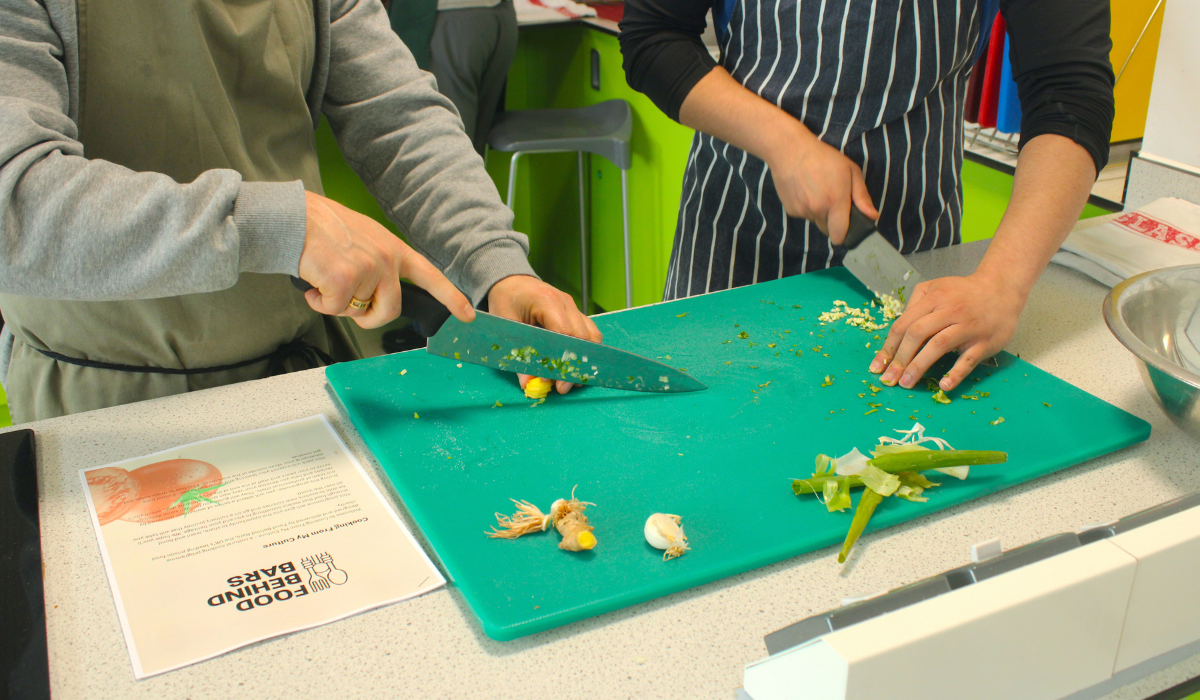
[1133, 90]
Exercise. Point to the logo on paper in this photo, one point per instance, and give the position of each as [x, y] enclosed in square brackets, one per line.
[322, 572]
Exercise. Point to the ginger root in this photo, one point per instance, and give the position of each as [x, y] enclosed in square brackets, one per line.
[566, 514]
[527, 519]
[572, 524]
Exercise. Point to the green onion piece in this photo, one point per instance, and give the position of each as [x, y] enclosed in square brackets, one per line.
[841, 501]
[816, 484]
[862, 514]
[915, 480]
[941, 397]
[879, 481]
[910, 493]
[936, 459]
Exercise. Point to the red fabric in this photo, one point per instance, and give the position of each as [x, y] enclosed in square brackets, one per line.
[989, 98]
[612, 12]
[975, 89]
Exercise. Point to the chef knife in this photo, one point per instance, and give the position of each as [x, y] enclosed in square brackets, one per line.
[879, 266]
[491, 341]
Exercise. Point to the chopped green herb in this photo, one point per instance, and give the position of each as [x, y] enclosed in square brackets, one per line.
[764, 386]
[498, 405]
[873, 410]
[998, 421]
[753, 366]
[828, 380]
[941, 397]
[816, 348]
[771, 345]
[729, 363]
[743, 335]
[1046, 404]
[495, 346]
[685, 313]
[415, 415]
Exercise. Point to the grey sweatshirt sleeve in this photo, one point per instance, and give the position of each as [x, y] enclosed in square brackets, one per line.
[73, 228]
[406, 142]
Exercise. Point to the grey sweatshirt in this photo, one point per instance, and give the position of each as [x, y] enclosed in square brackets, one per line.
[90, 230]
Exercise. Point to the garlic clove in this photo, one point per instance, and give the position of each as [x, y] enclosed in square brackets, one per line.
[664, 531]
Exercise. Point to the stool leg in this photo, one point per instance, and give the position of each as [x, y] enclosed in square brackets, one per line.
[583, 244]
[625, 225]
[512, 179]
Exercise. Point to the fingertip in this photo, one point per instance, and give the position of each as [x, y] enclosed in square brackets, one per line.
[563, 387]
[523, 379]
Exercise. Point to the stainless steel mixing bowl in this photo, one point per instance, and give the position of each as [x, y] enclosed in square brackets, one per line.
[1157, 316]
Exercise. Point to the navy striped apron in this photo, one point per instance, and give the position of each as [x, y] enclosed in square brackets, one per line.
[881, 80]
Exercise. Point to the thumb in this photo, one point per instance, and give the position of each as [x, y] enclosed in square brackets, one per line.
[862, 197]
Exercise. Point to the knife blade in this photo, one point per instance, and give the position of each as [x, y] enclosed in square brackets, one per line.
[491, 341]
[879, 266]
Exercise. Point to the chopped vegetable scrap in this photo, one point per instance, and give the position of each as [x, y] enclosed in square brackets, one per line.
[828, 380]
[941, 397]
[743, 335]
[685, 313]
[498, 405]
[998, 421]
[894, 470]
[566, 515]
[538, 388]
[862, 318]
[663, 531]
[403, 372]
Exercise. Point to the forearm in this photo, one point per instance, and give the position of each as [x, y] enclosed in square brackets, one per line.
[722, 107]
[1053, 179]
[405, 141]
[74, 228]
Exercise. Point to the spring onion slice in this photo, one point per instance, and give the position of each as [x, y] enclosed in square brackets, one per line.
[862, 514]
[879, 481]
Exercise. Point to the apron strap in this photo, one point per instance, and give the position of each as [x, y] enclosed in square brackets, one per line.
[298, 349]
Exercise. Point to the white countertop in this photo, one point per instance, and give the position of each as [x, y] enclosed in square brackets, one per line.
[688, 645]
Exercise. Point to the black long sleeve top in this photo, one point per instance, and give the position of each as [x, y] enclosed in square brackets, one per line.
[1059, 51]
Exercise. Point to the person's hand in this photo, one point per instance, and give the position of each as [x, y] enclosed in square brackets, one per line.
[975, 315]
[350, 255]
[817, 182]
[529, 300]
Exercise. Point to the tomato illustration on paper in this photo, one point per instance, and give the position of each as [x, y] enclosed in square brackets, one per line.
[153, 493]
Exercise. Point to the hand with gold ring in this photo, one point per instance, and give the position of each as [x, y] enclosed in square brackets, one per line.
[355, 265]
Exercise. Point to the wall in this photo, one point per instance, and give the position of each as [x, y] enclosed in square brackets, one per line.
[1172, 124]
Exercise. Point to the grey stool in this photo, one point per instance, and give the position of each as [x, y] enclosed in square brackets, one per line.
[603, 129]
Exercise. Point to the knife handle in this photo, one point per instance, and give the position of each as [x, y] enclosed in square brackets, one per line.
[861, 226]
[419, 306]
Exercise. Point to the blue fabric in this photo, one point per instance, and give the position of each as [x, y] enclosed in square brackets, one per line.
[1008, 110]
[722, 11]
[988, 9]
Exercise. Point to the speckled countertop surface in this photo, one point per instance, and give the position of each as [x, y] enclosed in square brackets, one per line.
[692, 644]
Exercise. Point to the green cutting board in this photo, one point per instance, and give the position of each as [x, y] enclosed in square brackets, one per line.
[722, 458]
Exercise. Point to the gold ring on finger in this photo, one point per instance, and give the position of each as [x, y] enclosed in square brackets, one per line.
[356, 303]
